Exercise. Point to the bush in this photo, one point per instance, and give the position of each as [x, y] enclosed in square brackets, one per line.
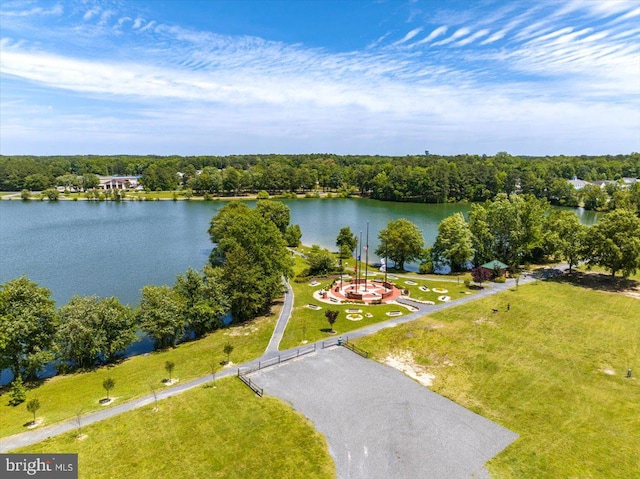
[18, 393]
[263, 195]
[467, 282]
[500, 279]
[425, 267]
[25, 194]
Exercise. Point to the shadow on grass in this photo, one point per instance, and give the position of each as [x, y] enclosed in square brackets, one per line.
[599, 282]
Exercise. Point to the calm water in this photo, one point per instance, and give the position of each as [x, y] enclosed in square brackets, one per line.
[114, 249]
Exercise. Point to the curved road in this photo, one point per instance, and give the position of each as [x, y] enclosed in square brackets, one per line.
[31, 437]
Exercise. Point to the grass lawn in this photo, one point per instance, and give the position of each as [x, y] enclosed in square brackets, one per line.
[551, 369]
[62, 396]
[222, 432]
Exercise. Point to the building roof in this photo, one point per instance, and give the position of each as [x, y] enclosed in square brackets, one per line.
[495, 264]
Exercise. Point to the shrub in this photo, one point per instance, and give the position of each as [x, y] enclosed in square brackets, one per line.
[18, 393]
[263, 195]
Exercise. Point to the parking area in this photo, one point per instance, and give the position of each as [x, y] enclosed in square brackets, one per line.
[379, 423]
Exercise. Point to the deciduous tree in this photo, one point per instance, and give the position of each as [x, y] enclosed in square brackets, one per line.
[453, 244]
[564, 237]
[400, 241]
[28, 323]
[159, 315]
[614, 242]
[346, 241]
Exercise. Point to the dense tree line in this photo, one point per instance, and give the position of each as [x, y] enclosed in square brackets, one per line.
[420, 178]
[89, 331]
[516, 229]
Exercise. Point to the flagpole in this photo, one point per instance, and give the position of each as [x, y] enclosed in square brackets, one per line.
[366, 260]
[359, 256]
[386, 262]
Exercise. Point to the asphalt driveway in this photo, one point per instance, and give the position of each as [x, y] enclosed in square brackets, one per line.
[379, 423]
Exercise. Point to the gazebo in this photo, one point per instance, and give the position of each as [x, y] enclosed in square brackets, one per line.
[496, 266]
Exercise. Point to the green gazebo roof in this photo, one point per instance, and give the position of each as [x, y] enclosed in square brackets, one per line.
[495, 264]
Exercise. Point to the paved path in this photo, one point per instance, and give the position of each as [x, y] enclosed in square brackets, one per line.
[283, 319]
[381, 424]
[37, 435]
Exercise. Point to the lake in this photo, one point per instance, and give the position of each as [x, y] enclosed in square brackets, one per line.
[114, 249]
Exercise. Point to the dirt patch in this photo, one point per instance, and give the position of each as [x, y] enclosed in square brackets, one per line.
[406, 363]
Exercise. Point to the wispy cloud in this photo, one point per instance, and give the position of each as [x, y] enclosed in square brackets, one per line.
[461, 32]
[567, 71]
[409, 36]
[56, 9]
[434, 34]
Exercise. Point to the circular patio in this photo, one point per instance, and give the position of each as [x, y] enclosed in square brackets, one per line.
[369, 292]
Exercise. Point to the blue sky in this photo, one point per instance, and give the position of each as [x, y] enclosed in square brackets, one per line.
[301, 76]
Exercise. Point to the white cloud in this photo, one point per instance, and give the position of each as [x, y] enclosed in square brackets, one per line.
[409, 36]
[472, 38]
[494, 38]
[89, 14]
[434, 34]
[34, 11]
[461, 32]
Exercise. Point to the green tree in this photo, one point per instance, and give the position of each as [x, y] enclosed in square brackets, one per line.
[292, 236]
[253, 256]
[593, 197]
[276, 212]
[94, 330]
[28, 323]
[25, 194]
[203, 300]
[159, 315]
[90, 181]
[321, 261]
[400, 241]
[33, 406]
[614, 242]
[18, 393]
[565, 237]
[51, 193]
[454, 243]
[108, 384]
[507, 228]
[346, 241]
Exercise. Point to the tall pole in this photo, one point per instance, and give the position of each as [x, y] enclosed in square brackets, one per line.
[366, 260]
[355, 254]
[386, 262]
[359, 256]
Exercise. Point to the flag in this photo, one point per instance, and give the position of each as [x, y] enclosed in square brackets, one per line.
[366, 248]
[358, 257]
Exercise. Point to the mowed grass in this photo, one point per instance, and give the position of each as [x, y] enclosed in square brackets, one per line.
[308, 325]
[61, 397]
[551, 369]
[207, 432]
